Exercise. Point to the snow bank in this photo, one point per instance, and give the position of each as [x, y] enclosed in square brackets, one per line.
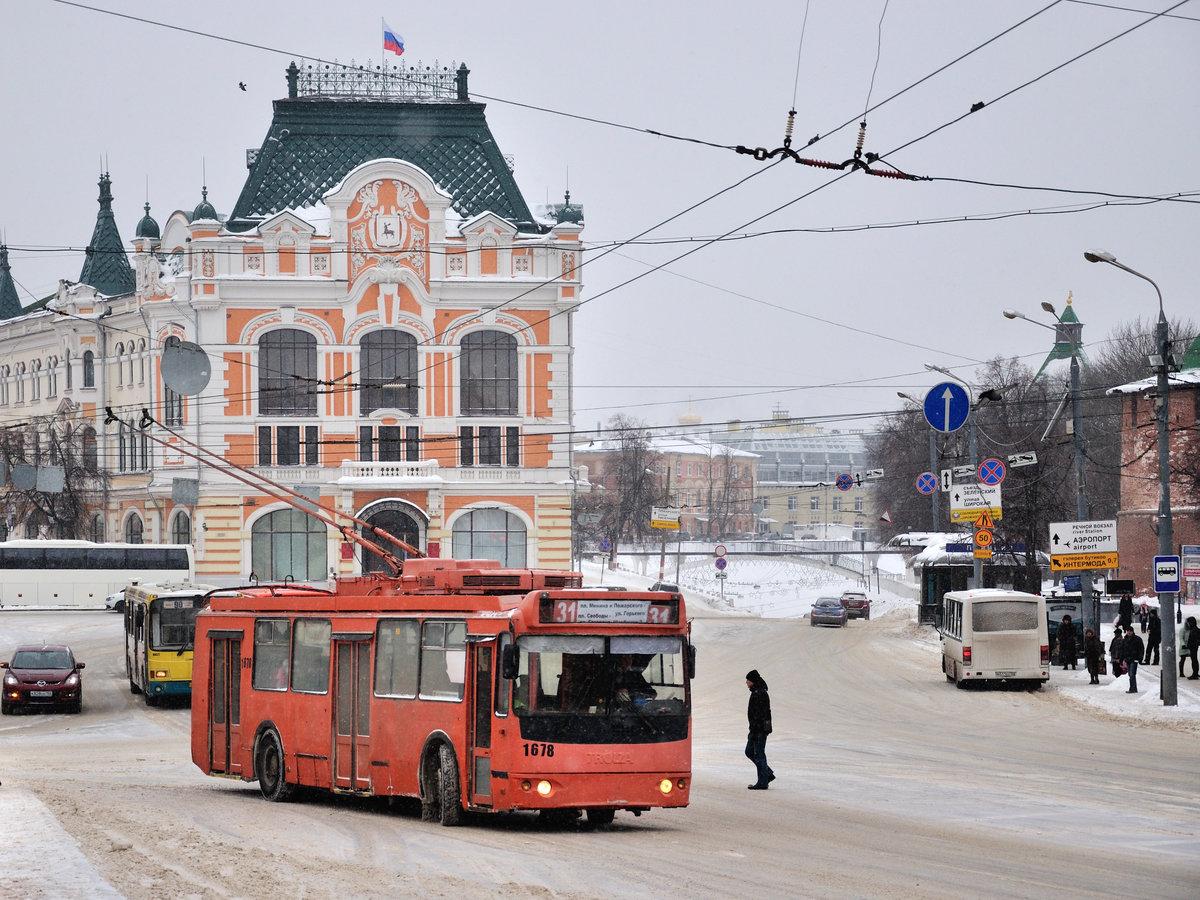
[33, 837]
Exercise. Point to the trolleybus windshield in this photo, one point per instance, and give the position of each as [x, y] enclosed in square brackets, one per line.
[173, 622]
[597, 681]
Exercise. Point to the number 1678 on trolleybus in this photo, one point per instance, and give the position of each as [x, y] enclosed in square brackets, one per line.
[462, 683]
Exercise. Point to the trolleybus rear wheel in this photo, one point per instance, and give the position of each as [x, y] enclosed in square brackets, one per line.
[450, 809]
[268, 766]
[601, 816]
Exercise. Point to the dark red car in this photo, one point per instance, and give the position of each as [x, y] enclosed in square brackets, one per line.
[42, 676]
[857, 604]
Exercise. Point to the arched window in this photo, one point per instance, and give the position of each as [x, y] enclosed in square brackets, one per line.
[141, 363]
[134, 529]
[181, 528]
[97, 528]
[52, 377]
[67, 367]
[389, 357]
[120, 371]
[287, 373]
[122, 459]
[90, 456]
[490, 534]
[35, 379]
[5, 371]
[288, 542]
[172, 407]
[89, 368]
[396, 522]
[489, 374]
[21, 382]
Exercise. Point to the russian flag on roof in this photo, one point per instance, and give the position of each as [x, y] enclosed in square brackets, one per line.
[391, 40]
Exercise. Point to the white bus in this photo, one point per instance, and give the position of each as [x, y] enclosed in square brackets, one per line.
[995, 635]
[81, 574]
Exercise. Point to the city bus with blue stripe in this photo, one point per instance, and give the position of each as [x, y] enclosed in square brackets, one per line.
[160, 628]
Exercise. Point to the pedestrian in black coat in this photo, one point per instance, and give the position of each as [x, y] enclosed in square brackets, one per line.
[1066, 643]
[1192, 646]
[1132, 651]
[1125, 611]
[1153, 638]
[1114, 650]
[758, 715]
[1093, 652]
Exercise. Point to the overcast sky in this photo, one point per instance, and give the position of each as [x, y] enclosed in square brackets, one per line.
[76, 84]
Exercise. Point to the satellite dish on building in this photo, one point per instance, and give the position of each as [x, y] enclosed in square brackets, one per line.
[186, 368]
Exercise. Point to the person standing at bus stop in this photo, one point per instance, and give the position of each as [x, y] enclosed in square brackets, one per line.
[1125, 611]
[1153, 637]
[1191, 647]
[1066, 643]
[758, 713]
[1093, 653]
[1132, 651]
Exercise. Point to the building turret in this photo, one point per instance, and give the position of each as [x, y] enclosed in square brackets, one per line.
[147, 227]
[106, 267]
[10, 303]
[204, 209]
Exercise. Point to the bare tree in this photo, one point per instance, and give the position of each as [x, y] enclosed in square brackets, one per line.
[627, 488]
[53, 441]
[728, 494]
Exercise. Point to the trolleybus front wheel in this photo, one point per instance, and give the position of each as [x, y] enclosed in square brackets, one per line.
[601, 816]
[268, 766]
[449, 807]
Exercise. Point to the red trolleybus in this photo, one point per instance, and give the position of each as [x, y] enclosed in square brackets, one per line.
[470, 686]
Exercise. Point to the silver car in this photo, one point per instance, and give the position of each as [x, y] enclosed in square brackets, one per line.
[828, 611]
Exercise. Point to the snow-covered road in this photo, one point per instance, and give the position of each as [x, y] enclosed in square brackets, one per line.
[891, 783]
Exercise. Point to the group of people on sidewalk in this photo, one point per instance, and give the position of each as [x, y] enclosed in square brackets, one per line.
[1127, 650]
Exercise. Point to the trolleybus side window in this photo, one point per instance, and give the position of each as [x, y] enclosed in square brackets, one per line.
[443, 659]
[310, 656]
[397, 653]
[271, 646]
[503, 685]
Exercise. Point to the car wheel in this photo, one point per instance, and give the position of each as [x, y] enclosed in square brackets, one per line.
[5, 709]
[75, 708]
[270, 770]
[450, 809]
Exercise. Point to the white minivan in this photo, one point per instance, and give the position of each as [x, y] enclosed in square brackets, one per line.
[995, 635]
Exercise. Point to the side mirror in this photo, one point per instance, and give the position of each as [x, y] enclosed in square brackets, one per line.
[689, 661]
[509, 664]
[3, 665]
[80, 665]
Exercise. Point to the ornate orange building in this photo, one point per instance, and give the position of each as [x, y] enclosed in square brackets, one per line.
[389, 328]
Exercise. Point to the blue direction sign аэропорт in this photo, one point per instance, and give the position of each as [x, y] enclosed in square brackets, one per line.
[992, 471]
[947, 406]
[844, 482]
[926, 483]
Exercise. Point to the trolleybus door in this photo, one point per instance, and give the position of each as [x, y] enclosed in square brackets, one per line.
[224, 705]
[352, 712]
[481, 666]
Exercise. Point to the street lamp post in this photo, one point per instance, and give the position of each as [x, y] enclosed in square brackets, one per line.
[1090, 601]
[935, 521]
[1166, 538]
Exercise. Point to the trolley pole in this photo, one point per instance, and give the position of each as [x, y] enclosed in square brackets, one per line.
[662, 551]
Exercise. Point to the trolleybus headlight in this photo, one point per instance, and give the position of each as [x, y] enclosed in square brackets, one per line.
[665, 785]
[526, 785]
[544, 788]
[159, 673]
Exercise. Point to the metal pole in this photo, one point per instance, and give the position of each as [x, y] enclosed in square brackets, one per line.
[662, 551]
[934, 501]
[1091, 608]
[1166, 538]
[974, 454]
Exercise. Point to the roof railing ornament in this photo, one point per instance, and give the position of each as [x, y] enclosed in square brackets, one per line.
[378, 81]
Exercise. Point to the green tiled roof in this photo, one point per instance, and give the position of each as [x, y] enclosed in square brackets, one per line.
[10, 303]
[106, 268]
[314, 142]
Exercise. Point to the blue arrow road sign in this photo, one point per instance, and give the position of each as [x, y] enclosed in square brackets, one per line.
[926, 483]
[947, 406]
[1166, 574]
[992, 471]
[605, 545]
[844, 482]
